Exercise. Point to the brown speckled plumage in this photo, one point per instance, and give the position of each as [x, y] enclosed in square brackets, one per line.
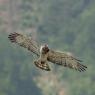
[46, 54]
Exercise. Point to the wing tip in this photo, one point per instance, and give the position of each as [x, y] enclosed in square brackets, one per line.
[82, 68]
[12, 37]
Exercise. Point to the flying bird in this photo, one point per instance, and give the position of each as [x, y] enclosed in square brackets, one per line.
[45, 54]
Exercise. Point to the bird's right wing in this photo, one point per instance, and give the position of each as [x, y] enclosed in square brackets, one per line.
[25, 42]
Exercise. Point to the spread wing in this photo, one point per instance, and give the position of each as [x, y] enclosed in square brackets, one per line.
[25, 42]
[66, 60]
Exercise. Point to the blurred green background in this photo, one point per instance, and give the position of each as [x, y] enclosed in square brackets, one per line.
[65, 25]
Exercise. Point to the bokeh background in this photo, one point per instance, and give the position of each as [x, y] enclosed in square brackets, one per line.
[66, 25]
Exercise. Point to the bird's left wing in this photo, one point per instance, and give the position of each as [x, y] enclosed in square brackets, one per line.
[25, 42]
[66, 60]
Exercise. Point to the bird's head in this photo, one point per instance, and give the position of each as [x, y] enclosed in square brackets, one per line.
[44, 48]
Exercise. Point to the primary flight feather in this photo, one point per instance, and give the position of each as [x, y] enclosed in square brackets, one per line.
[45, 54]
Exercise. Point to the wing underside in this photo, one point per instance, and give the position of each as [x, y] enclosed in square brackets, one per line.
[25, 42]
[65, 60]
[55, 57]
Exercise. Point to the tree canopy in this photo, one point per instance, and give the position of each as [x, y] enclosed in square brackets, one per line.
[65, 25]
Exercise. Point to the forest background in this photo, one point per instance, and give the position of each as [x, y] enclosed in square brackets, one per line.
[65, 25]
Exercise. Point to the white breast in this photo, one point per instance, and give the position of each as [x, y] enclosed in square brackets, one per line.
[41, 49]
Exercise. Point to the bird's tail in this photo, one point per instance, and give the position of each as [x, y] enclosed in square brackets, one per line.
[42, 65]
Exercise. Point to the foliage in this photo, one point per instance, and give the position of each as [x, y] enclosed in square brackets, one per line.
[66, 25]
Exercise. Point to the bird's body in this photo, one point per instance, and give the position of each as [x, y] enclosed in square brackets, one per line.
[46, 55]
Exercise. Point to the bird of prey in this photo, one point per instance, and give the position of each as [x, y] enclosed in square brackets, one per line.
[45, 54]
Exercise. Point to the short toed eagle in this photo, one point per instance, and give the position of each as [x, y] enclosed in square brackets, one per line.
[46, 54]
